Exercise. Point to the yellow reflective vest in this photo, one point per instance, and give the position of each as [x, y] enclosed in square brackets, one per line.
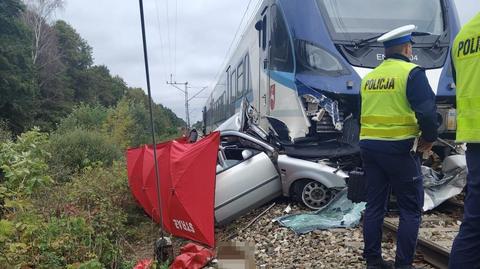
[466, 59]
[386, 113]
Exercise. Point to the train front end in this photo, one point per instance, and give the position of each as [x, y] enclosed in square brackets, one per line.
[334, 47]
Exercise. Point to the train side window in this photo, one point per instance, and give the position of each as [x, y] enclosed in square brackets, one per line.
[223, 105]
[248, 83]
[233, 85]
[240, 79]
[281, 49]
[213, 112]
[228, 89]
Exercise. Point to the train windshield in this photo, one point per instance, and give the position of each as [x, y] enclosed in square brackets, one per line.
[349, 19]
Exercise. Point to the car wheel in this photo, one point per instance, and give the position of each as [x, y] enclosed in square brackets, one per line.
[313, 194]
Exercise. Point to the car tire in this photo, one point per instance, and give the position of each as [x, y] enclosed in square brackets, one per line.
[312, 194]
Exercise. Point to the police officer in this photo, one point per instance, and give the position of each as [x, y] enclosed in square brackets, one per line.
[466, 60]
[192, 138]
[398, 117]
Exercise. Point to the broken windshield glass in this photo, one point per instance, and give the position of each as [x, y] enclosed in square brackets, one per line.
[340, 213]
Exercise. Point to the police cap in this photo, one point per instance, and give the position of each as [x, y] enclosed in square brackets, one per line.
[400, 35]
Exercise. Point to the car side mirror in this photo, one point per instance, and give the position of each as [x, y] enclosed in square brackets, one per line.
[247, 154]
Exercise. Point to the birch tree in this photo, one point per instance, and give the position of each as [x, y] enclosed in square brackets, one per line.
[38, 15]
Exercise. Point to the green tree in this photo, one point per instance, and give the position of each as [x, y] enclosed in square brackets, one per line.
[84, 116]
[102, 87]
[17, 89]
[77, 57]
[165, 121]
[55, 98]
[120, 125]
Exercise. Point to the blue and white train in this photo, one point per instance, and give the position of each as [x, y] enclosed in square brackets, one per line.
[302, 61]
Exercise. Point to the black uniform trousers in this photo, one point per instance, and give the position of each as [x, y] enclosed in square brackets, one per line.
[466, 246]
[402, 173]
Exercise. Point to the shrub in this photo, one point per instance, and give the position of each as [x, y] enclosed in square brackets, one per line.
[23, 163]
[99, 196]
[92, 264]
[76, 149]
[5, 133]
[129, 124]
[119, 124]
[30, 240]
[79, 224]
[85, 117]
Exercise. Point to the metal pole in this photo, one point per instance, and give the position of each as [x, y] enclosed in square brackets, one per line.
[187, 106]
[185, 92]
[147, 73]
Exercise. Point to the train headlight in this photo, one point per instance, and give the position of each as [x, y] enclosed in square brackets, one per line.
[314, 58]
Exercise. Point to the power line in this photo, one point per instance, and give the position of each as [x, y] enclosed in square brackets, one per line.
[163, 69]
[175, 40]
[168, 37]
[204, 88]
[231, 43]
[196, 87]
[252, 16]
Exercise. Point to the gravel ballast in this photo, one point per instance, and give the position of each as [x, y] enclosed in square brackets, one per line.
[279, 247]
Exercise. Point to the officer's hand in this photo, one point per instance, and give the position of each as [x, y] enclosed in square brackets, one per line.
[424, 146]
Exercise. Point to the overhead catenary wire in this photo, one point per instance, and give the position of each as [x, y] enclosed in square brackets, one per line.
[252, 16]
[163, 69]
[175, 40]
[167, 17]
[147, 76]
[227, 54]
[195, 95]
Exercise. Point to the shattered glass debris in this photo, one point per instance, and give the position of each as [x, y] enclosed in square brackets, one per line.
[340, 213]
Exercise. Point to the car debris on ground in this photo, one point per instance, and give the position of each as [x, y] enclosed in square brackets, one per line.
[439, 187]
[340, 213]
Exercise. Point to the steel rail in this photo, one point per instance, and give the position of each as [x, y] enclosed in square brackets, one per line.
[433, 253]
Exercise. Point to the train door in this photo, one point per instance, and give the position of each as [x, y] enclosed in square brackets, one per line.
[263, 77]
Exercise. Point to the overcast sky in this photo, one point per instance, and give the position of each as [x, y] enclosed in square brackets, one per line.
[188, 39]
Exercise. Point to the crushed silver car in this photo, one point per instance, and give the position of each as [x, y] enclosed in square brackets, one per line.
[255, 167]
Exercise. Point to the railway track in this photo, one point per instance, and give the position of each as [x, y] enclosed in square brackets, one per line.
[436, 233]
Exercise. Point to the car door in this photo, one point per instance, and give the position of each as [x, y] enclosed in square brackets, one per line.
[245, 184]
